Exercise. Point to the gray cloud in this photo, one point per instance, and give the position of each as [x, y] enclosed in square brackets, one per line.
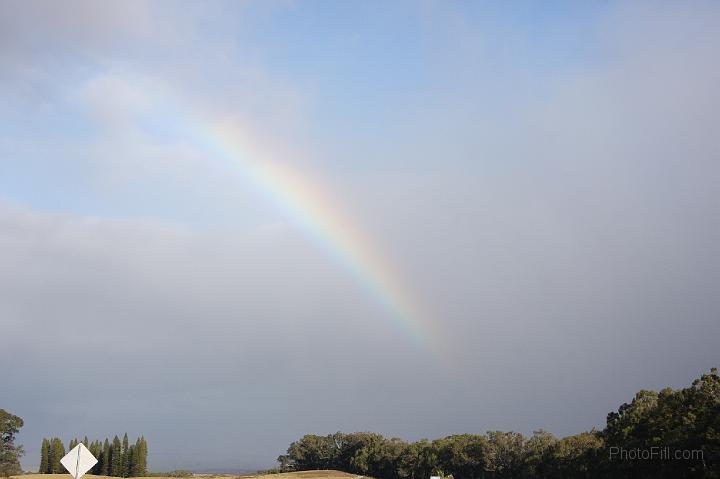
[100, 308]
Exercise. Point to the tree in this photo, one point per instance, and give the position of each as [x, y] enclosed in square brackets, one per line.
[506, 455]
[463, 455]
[105, 468]
[284, 463]
[116, 458]
[679, 420]
[539, 450]
[577, 456]
[311, 452]
[379, 457]
[139, 466]
[9, 453]
[347, 446]
[131, 462]
[143, 456]
[44, 456]
[125, 452]
[57, 451]
[418, 460]
[96, 450]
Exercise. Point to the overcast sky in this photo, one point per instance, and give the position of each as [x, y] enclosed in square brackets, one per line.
[540, 179]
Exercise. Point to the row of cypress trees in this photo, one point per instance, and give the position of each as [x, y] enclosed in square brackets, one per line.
[118, 459]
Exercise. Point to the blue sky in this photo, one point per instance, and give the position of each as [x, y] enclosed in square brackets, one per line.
[367, 75]
[539, 179]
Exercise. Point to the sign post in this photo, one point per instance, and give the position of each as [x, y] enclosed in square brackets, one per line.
[78, 461]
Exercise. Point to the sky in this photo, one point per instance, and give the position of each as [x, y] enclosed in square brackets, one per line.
[224, 225]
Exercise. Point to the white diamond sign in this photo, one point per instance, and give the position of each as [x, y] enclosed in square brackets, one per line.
[78, 461]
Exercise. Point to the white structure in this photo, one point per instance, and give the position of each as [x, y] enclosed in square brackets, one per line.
[78, 461]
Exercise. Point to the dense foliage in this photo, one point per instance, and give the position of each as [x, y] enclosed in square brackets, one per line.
[684, 422]
[114, 458]
[9, 453]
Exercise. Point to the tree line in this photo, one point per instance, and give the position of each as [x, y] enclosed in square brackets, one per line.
[115, 458]
[665, 423]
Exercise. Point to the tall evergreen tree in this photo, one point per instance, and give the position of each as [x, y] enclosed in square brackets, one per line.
[105, 468]
[142, 457]
[57, 451]
[131, 462]
[137, 468]
[48, 469]
[44, 455]
[124, 462]
[116, 458]
[96, 450]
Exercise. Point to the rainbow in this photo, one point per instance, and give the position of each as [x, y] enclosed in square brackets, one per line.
[317, 214]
